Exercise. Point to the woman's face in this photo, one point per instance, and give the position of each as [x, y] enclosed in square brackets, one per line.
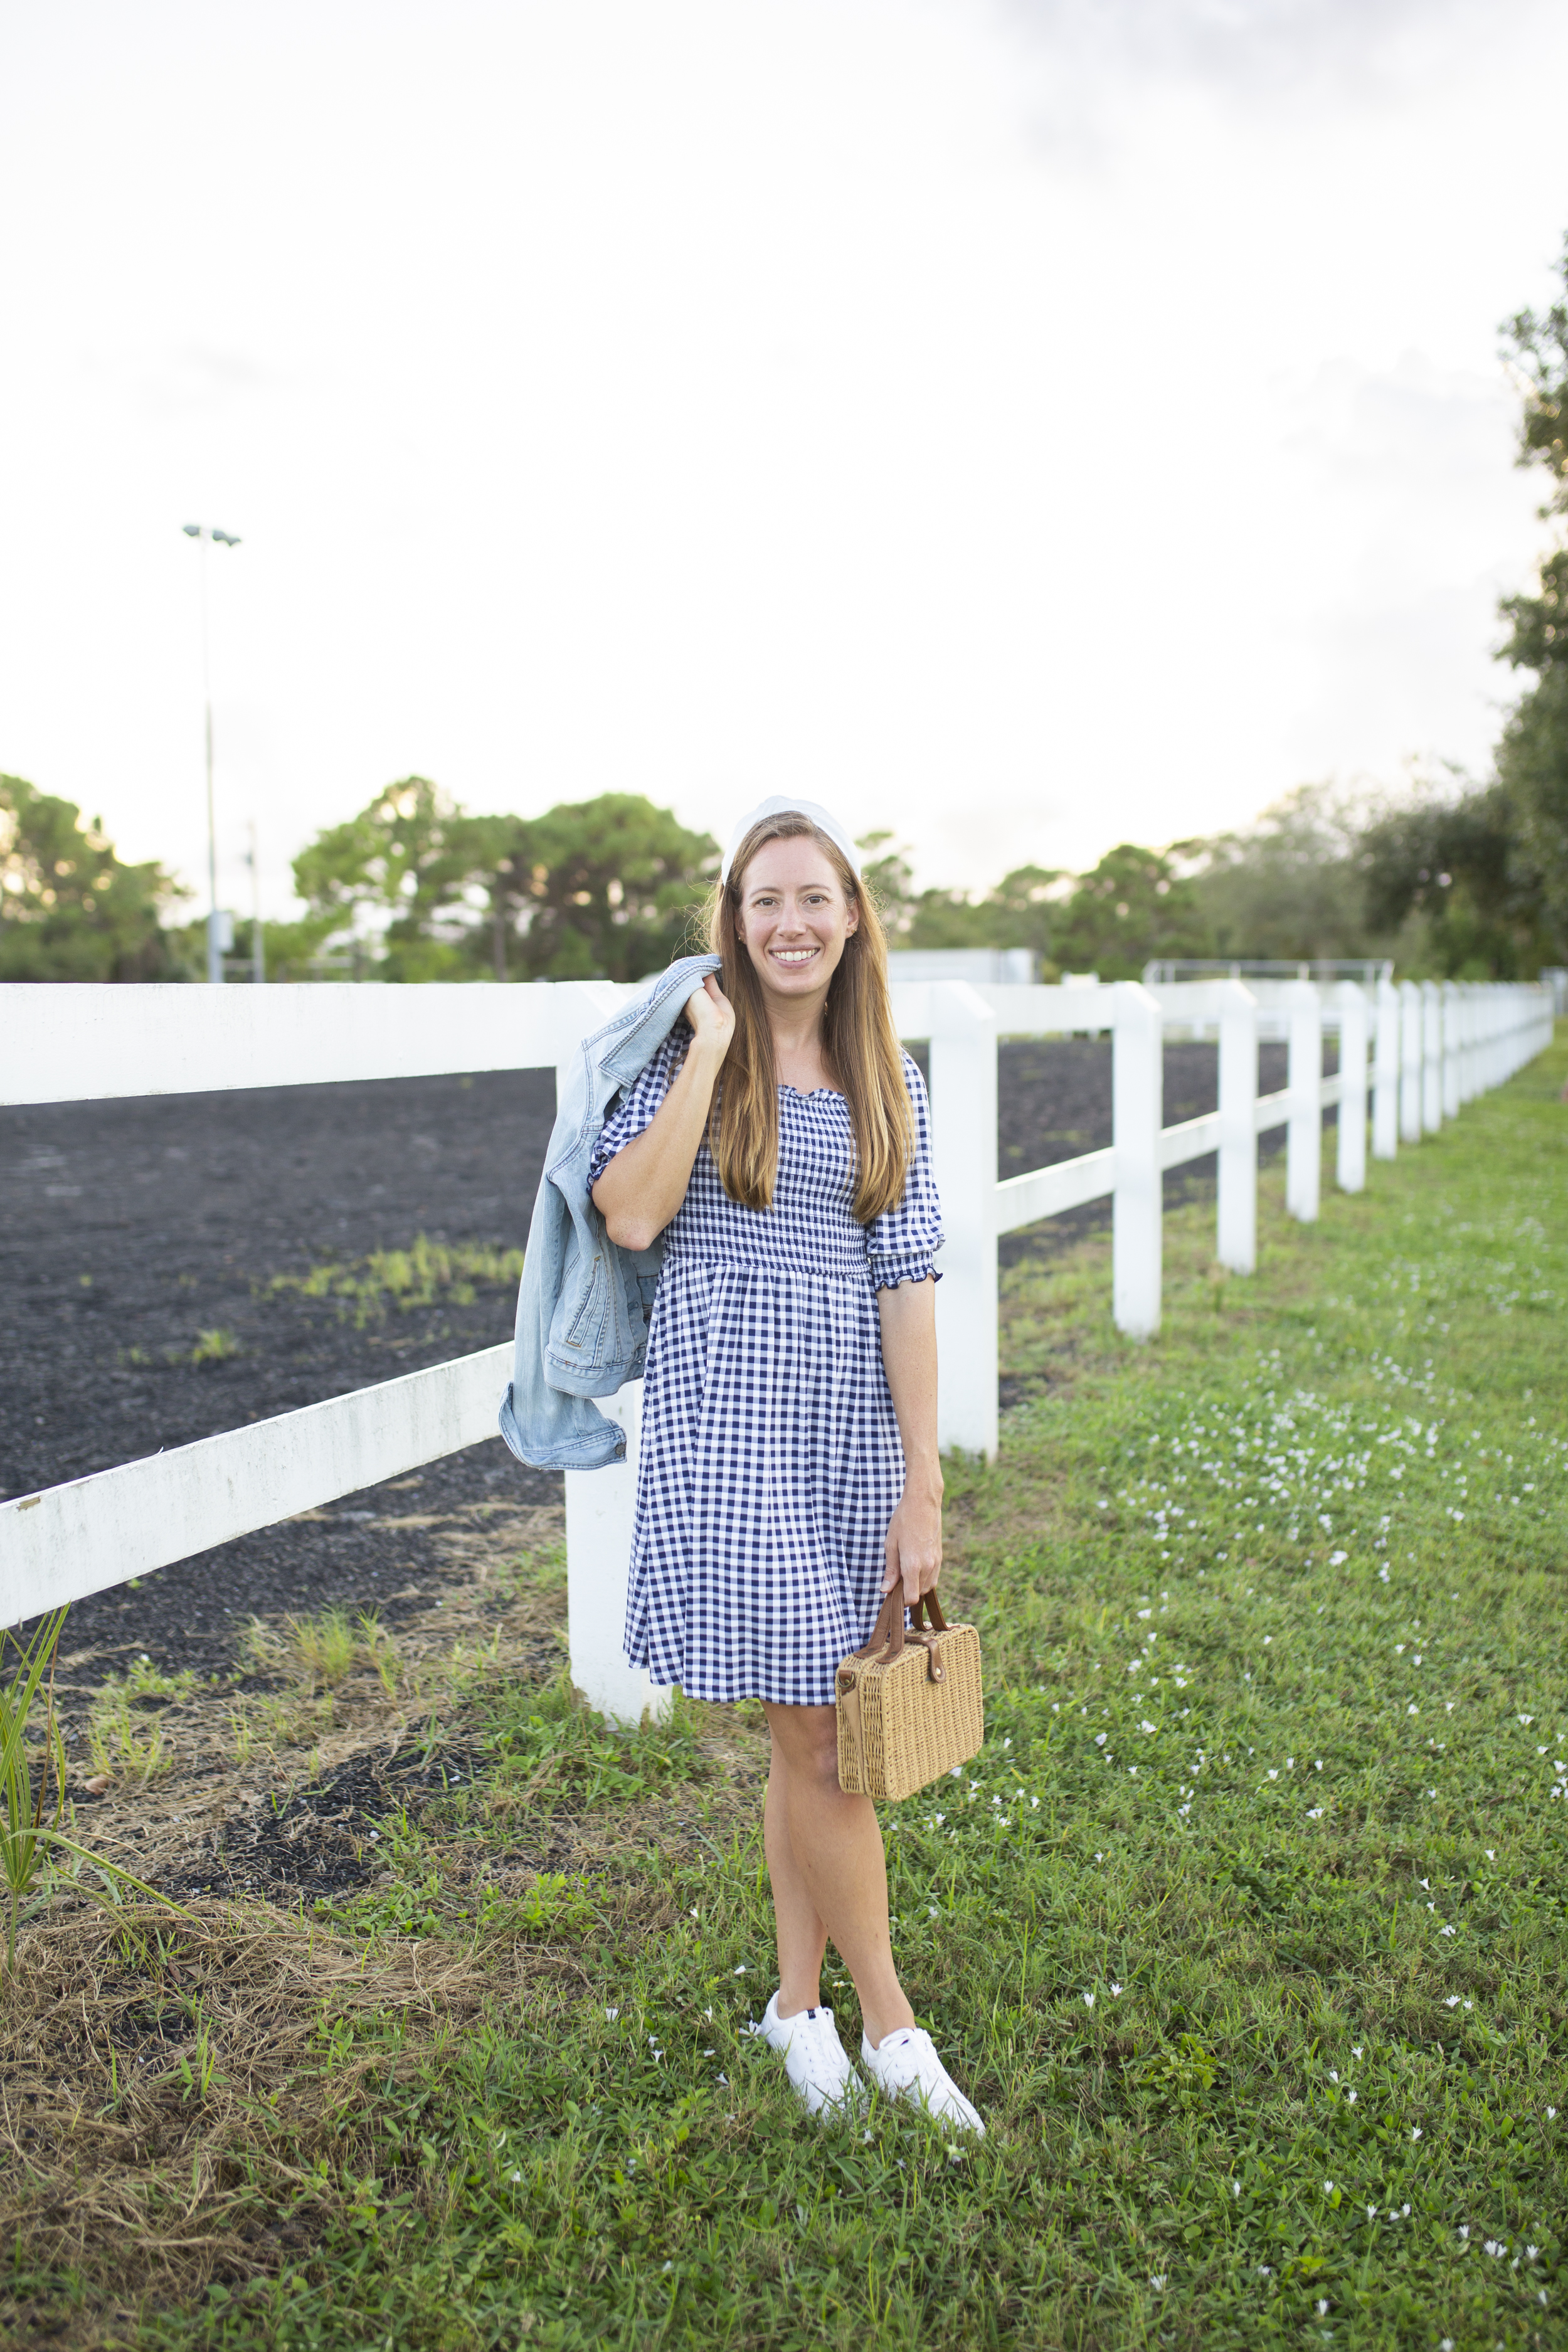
[794, 917]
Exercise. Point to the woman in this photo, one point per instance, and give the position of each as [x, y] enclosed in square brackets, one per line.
[789, 1475]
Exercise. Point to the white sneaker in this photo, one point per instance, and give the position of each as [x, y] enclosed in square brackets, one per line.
[814, 2058]
[906, 2067]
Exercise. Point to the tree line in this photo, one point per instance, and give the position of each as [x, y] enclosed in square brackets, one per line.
[1453, 878]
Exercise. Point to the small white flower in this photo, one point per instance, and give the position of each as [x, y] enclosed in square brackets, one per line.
[1328, 2188]
[1235, 2187]
[1158, 2284]
[1495, 2247]
[1322, 2307]
[741, 1970]
[1352, 2098]
[612, 2014]
[1452, 2001]
[1089, 2001]
[1416, 2133]
[1116, 1993]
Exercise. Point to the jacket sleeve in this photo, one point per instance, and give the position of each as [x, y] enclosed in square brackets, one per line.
[904, 1241]
[638, 1106]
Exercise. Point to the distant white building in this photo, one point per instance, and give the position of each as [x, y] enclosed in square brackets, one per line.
[982, 967]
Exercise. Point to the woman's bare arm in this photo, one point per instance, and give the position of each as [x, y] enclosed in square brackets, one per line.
[644, 1185]
[908, 1356]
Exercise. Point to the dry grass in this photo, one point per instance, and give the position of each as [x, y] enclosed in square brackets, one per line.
[181, 2097]
[168, 2088]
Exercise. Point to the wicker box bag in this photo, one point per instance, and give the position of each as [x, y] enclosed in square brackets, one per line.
[908, 1704]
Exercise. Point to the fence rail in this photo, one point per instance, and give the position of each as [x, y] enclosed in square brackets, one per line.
[1409, 1057]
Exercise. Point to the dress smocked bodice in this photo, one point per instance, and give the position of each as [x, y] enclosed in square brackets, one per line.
[810, 1227]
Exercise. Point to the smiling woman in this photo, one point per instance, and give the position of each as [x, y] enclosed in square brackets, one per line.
[788, 1478]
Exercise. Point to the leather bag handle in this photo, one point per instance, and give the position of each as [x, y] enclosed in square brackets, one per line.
[887, 1634]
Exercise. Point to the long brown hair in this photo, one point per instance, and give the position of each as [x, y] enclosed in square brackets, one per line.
[859, 1040]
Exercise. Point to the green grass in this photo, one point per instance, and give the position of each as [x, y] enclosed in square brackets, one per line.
[1246, 1930]
[416, 1277]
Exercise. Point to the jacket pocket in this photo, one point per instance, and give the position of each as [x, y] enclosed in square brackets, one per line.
[584, 1331]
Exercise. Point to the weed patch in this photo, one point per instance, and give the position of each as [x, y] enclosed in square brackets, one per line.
[417, 1276]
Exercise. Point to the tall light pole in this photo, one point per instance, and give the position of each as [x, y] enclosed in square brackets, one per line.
[258, 945]
[204, 536]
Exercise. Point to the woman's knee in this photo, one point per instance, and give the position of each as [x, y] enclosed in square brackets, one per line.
[807, 1740]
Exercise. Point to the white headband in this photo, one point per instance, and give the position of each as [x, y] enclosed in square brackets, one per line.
[781, 804]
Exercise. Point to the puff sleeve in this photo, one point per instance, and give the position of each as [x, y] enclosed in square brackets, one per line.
[639, 1106]
[904, 1242]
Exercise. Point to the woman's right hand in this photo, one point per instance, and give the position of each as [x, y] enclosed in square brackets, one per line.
[712, 1017]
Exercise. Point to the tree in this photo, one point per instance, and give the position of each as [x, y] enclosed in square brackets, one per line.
[1448, 875]
[69, 909]
[1287, 886]
[418, 867]
[1532, 755]
[1018, 913]
[1134, 906]
[606, 888]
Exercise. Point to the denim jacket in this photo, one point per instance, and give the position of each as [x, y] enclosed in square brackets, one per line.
[581, 1306]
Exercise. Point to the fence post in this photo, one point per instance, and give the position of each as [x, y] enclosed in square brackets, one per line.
[1469, 1010]
[963, 1150]
[1304, 1134]
[1350, 1157]
[600, 1503]
[1431, 1057]
[1385, 1088]
[1138, 1097]
[1452, 1096]
[599, 1506]
[1237, 1236]
[1410, 1049]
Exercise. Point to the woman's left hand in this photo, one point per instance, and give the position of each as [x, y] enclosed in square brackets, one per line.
[914, 1540]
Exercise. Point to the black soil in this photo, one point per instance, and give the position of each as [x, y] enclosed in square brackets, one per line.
[132, 1228]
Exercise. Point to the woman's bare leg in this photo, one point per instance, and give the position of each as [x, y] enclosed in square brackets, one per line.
[829, 1875]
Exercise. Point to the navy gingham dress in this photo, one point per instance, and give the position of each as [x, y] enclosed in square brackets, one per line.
[770, 1461]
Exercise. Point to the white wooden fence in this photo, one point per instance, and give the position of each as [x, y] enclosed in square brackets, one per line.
[1414, 1053]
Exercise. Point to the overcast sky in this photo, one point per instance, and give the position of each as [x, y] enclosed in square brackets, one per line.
[1025, 424]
